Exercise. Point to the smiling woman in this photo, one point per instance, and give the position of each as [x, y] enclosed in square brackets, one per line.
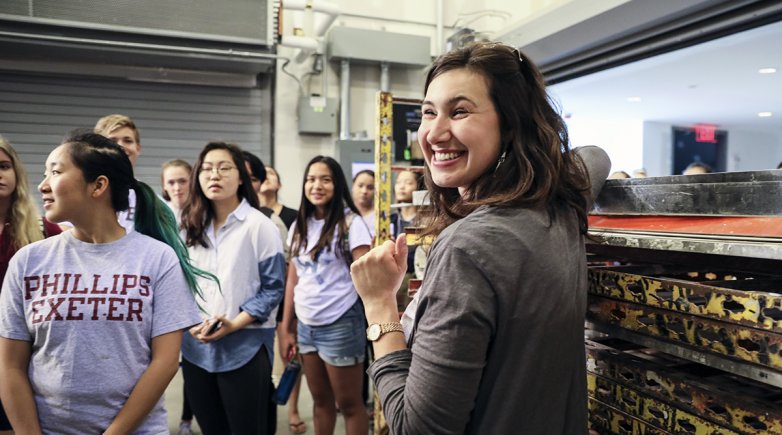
[496, 330]
[461, 129]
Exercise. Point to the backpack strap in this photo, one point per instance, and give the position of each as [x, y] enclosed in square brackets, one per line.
[346, 241]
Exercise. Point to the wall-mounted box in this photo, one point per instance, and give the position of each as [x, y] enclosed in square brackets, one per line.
[317, 115]
[364, 45]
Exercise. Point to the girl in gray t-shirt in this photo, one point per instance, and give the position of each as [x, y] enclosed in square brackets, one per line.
[91, 321]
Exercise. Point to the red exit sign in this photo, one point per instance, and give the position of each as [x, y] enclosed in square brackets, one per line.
[705, 133]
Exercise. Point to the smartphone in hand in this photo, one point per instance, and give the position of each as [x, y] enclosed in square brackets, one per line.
[213, 326]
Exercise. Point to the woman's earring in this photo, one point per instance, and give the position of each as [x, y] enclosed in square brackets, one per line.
[499, 162]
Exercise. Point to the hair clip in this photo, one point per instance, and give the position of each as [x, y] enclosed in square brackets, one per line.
[518, 53]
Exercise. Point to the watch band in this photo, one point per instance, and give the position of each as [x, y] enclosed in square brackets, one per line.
[377, 330]
[391, 327]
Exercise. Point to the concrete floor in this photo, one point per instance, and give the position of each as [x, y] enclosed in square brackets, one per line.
[174, 406]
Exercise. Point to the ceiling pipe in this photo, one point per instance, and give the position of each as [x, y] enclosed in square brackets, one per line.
[312, 26]
[384, 77]
[322, 13]
[344, 97]
[440, 30]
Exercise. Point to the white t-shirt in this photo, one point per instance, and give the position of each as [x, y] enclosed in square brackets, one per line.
[325, 290]
[126, 218]
[90, 312]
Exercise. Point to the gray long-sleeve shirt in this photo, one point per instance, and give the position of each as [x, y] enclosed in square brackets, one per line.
[498, 341]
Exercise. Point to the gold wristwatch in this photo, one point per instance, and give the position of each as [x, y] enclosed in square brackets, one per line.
[376, 330]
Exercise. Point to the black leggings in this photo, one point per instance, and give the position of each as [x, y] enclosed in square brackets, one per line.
[4, 423]
[236, 402]
[187, 411]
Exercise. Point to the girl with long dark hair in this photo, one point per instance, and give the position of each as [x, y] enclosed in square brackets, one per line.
[327, 236]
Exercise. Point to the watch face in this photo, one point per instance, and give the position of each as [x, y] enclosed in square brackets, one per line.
[373, 332]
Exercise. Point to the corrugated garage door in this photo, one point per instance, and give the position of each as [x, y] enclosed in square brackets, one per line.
[175, 121]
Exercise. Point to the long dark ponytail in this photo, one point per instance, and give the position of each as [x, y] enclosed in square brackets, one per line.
[97, 155]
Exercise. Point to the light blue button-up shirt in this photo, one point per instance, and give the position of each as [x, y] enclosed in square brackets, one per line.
[246, 255]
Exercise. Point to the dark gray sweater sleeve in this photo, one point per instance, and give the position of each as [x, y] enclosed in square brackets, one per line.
[431, 388]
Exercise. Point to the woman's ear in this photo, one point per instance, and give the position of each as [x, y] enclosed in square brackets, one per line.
[100, 186]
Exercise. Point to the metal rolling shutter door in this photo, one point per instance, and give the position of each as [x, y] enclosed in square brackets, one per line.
[175, 121]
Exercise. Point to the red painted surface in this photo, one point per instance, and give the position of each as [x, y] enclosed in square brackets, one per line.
[734, 226]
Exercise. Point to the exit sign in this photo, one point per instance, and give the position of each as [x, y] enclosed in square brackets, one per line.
[705, 133]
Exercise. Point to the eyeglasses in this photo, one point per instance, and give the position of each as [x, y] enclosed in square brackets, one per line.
[224, 171]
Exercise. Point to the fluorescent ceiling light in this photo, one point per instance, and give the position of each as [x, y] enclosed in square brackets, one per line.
[633, 99]
[764, 114]
[767, 70]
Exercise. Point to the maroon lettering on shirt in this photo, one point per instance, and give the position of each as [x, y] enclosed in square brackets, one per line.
[76, 290]
[114, 284]
[135, 306]
[95, 291]
[111, 315]
[66, 277]
[72, 307]
[53, 297]
[35, 308]
[31, 284]
[128, 282]
[54, 304]
[50, 285]
[143, 284]
[96, 303]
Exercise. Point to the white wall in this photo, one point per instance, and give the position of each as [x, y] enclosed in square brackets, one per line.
[753, 150]
[418, 17]
[622, 140]
[747, 150]
[657, 149]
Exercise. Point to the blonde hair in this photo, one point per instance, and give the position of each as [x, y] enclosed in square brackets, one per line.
[24, 221]
[109, 123]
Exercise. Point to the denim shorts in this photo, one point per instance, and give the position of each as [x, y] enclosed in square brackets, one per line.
[340, 344]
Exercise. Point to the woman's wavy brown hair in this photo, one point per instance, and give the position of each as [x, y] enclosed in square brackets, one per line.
[539, 169]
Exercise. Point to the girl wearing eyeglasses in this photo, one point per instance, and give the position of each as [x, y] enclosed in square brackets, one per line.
[91, 320]
[327, 236]
[227, 359]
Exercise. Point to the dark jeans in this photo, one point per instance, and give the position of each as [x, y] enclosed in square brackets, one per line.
[236, 402]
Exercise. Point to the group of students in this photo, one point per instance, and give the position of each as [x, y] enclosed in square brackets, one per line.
[92, 320]
[225, 289]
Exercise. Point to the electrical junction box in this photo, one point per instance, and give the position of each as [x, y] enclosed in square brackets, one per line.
[317, 115]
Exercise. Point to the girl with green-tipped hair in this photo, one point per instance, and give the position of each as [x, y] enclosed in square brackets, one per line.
[91, 320]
